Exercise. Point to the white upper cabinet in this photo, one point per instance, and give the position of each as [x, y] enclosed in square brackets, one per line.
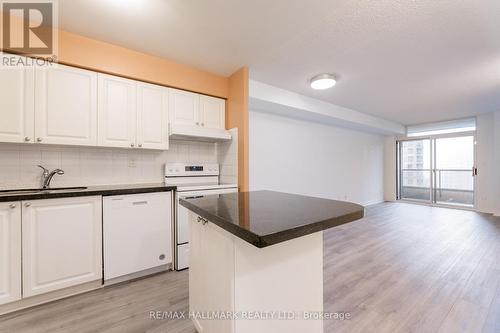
[16, 105]
[65, 106]
[187, 108]
[212, 111]
[61, 243]
[184, 107]
[152, 116]
[117, 112]
[10, 252]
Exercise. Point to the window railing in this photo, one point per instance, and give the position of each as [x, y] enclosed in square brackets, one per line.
[454, 186]
[446, 179]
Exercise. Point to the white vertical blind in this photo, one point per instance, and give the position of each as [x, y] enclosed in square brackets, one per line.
[443, 127]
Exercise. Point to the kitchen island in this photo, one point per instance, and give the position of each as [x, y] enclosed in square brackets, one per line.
[256, 260]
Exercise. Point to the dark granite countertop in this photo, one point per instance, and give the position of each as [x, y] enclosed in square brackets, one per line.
[264, 218]
[88, 191]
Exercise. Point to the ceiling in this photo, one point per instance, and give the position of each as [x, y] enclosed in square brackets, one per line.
[409, 61]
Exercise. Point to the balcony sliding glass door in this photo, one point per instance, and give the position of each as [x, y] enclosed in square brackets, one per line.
[415, 170]
[437, 170]
[454, 170]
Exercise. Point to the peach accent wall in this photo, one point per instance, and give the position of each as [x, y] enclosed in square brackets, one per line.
[92, 54]
[88, 53]
[237, 116]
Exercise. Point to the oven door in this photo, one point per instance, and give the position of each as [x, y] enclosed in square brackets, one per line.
[182, 224]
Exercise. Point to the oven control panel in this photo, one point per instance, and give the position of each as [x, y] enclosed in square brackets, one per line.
[186, 170]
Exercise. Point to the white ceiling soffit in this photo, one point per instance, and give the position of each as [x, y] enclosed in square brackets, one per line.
[266, 98]
[404, 60]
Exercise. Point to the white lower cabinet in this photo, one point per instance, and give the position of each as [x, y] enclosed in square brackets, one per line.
[228, 275]
[10, 252]
[61, 243]
[211, 273]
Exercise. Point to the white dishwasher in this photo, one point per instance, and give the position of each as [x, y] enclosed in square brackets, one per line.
[137, 231]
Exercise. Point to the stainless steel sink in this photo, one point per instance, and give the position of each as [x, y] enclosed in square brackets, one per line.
[41, 190]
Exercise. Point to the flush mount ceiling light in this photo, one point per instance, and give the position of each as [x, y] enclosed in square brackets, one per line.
[323, 81]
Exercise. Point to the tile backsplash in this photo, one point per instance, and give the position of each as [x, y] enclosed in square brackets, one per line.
[99, 166]
[227, 156]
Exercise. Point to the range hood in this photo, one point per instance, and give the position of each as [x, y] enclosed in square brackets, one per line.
[197, 133]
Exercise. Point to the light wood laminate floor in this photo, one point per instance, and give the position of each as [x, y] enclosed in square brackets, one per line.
[403, 268]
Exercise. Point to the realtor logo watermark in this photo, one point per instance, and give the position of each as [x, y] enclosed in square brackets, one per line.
[29, 29]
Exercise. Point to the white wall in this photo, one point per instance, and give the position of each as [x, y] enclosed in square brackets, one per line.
[485, 162]
[98, 166]
[390, 168]
[309, 158]
[496, 165]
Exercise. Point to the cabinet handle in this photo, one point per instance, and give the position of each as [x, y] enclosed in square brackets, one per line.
[27, 204]
[12, 206]
[140, 145]
[197, 123]
[205, 221]
[132, 145]
[202, 124]
[27, 139]
[199, 219]
[39, 139]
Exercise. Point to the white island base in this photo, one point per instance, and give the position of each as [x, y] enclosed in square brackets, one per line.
[237, 287]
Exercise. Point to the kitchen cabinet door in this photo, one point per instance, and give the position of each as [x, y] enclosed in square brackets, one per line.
[10, 252]
[116, 112]
[61, 243]
[17, 88]
[184, 107]
[152, 116]
[197, 292]
[219, 273]
[211, 272]
[65, 106]
[212, 111]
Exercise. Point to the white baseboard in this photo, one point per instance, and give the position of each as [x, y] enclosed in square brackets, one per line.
[372, 203]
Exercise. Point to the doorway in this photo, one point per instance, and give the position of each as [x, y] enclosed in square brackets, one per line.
[438, 170]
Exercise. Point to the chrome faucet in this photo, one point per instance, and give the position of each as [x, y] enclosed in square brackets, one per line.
[47, 176]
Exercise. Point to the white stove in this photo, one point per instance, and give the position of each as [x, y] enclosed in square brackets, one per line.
[192, 180]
